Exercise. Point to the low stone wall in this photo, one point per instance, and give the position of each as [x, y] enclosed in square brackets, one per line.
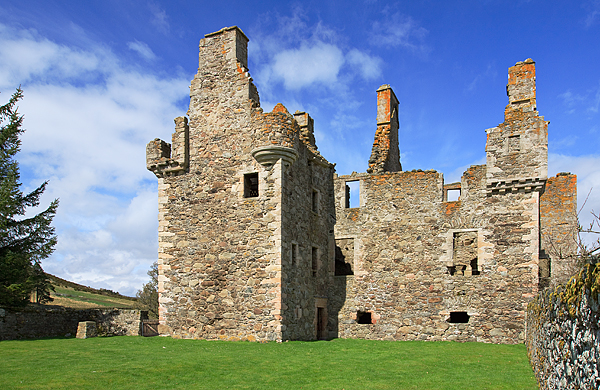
[563, 335]
[38, 321]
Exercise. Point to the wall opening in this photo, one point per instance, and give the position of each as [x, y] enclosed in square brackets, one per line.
[474, 267]
[315, 260]
[344, 256]
[315, 201]
[464, 255]
[352, 194]
[363, 317]
[459, 317]
[453, 195]
[321, 324]
[514, 143]
[251, 185]
[294, 254]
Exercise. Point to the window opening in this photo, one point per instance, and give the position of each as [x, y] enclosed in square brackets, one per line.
[474, 269]
[514, 143]
[458, 317]
[251, 185]
[315, 258]
[353, 194]
[363, 317]
[294, 254]
[453, 195]
[344, 256]
[464, 257]
[315, 201]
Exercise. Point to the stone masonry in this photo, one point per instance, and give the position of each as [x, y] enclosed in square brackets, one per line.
[257, 240]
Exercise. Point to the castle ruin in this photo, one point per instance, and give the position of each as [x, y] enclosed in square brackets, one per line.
[258, 239]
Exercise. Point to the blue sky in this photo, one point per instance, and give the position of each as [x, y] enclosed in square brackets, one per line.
[102, 78]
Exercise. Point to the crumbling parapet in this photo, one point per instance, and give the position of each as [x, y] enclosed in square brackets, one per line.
[307, 128]
[385, 155]
[164, 160]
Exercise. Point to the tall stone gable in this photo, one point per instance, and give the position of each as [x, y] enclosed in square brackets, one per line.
[258, 239]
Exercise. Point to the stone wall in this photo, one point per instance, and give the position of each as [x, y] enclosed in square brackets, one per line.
[563, 333]
[255, 187]
[38, 321]
[257, 240]
[558, 227]
[412, 270]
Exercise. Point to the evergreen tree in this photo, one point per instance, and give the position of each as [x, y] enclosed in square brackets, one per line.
[24, 242]
[148, 295]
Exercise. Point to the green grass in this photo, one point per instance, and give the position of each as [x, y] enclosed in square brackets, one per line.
[70, 297]
[165, 363]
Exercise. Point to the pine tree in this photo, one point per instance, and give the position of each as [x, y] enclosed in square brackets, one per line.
[24, 242]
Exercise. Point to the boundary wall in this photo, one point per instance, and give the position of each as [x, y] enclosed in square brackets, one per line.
[38, 322]
[563, 333]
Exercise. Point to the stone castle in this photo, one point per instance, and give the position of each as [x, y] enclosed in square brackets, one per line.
[257, 239]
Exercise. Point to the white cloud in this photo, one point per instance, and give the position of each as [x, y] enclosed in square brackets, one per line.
[300, 56]
[369, 67]
[159, 19]
[88, 117]
[399, 30]
[142, 49]
[318, 63]
[593, 12]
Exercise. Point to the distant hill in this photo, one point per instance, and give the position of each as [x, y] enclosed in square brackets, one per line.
[70, 294]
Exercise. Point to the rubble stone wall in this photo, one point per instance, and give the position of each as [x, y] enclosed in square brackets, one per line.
[39, 322]
[250, 214]
[222, 246]
[406, 273]
[558, 226]
[563, 333]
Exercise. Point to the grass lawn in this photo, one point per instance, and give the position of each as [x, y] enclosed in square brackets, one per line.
[165, 363]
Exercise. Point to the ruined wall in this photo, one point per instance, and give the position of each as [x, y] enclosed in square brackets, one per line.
[413, 272]
[38, 322]
[563, 335]
[247, 209]
[558, 226]
[223, 226]
[385, 155]
[427, 268]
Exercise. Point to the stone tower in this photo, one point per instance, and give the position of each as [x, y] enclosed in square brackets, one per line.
[245, 210]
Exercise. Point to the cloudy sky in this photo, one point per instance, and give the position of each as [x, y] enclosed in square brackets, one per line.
[102, 78]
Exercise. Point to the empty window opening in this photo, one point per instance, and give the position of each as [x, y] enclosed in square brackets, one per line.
[453, 195]
[474, 269]
[363, 317]
[251, 185]
[458, 317]
[514, 143]
[464, 256]
[344, 256]
[315, 260]
[315, 201]
[353, 194]
[294, 254]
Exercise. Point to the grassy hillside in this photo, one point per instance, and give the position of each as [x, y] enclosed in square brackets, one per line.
[70, 294]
